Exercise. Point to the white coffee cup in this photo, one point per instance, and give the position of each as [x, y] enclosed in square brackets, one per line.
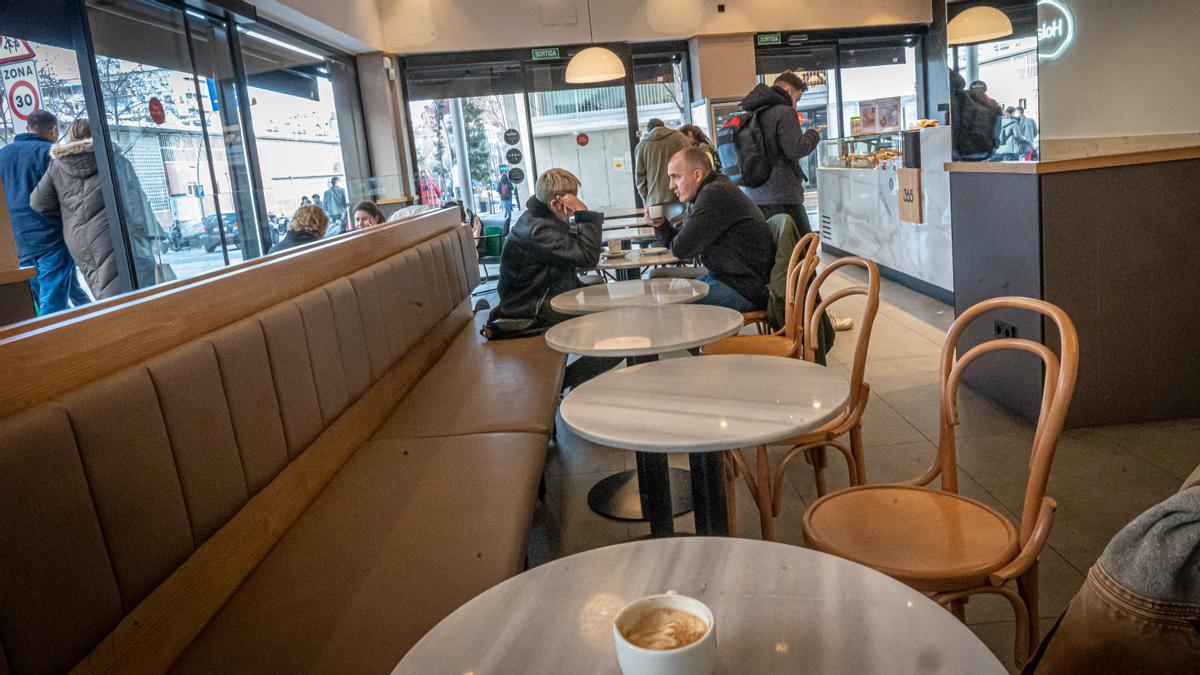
[654, 212]
[698, 658]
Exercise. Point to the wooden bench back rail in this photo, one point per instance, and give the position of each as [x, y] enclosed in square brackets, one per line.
[48, 360]
[162, 446]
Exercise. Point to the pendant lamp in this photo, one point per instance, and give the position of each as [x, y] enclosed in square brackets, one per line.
[594, 64]
[978, 24]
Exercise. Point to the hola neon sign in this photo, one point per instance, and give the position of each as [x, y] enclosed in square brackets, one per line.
[1056, 29]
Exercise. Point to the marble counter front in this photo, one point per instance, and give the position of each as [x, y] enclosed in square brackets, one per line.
[859, 212]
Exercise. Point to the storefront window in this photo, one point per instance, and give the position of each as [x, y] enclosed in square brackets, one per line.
[509, 115]
[658, 82]
[298, 126]
[174, 180]
[185, 190]
[585, 130]
[1009, 69]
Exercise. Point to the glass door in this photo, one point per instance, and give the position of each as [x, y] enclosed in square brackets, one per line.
[471, 135]
[817, 66]
[585, 130]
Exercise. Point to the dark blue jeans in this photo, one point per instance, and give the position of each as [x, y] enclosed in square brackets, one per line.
[722, 294]
[55, 284]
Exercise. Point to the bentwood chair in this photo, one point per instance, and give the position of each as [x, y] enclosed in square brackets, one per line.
[938, 541]
[765, 488]
[787, 341]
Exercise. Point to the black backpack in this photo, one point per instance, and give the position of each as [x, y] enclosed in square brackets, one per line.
[977, 129]
[742, 150]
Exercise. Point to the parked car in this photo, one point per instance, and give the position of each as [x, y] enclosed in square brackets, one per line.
[212, 237]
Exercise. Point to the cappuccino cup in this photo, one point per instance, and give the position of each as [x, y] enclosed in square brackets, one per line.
[667, 634]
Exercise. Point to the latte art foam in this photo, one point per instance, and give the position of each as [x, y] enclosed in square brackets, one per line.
[666, 628]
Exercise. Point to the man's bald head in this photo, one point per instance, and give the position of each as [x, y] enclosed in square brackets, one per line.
[687, 170]
[694, 158]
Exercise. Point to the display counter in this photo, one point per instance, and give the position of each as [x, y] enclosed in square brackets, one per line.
[859, 205]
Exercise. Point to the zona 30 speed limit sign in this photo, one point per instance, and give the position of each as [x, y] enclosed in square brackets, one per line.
[21, 90]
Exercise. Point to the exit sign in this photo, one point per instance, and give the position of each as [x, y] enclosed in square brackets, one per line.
[545, 53]
[768, 39]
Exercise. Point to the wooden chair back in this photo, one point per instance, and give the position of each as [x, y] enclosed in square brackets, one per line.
[813, 311]
[1058, 387]
[801, 267]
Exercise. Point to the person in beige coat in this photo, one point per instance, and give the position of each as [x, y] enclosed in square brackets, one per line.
[72, 185]
[650, 162]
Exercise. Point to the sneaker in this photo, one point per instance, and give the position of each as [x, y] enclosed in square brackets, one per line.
[841, 322]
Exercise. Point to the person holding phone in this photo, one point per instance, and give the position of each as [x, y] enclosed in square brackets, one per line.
[541, 255]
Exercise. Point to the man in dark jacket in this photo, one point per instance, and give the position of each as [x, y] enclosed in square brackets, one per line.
[787, 143]
[541, 255]
[39, 237]
[724, 229]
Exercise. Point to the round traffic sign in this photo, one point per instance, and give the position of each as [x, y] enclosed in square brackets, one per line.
[516, 174]
[23, 99]
[582, 139]
[157, 114]
[513, 156]
[512, 136]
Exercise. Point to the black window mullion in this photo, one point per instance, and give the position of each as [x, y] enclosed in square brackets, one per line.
[89, 78]
[212, 174]
[248, 139]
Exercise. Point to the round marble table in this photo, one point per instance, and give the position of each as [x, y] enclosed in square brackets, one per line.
[635, 293]
[653, 492]
[643, 331]
[778, 608]
[703, 406]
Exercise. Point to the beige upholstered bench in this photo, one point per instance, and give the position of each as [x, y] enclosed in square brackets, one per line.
[299, 465]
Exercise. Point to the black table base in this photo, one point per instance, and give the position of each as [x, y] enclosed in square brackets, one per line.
[619, 496]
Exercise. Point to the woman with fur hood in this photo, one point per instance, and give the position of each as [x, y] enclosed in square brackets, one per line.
[71, 187]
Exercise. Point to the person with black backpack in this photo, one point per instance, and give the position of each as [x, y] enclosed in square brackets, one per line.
[784, 143]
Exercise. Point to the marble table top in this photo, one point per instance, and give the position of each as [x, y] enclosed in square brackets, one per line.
[635, 260]
[641, 331]
[635, 293]
[778, 608]
[704, 404]
[627, 234]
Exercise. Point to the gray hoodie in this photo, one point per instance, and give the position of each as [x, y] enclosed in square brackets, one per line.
[72, 185]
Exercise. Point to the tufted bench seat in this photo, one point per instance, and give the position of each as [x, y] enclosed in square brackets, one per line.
[193, 481]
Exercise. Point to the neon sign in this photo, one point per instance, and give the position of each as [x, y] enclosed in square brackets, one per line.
[1056, 29]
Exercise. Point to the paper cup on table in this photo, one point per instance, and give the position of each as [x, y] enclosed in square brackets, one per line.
[614, 246]
[696, 658]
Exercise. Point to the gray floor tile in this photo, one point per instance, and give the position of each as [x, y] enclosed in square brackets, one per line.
[1171, 446]
[1099, 486]
[564, 524]
[978, 415]
[1000, 638]
[574, 455]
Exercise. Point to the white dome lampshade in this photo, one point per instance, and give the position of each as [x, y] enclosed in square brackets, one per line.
[595, 64]
[978, 24]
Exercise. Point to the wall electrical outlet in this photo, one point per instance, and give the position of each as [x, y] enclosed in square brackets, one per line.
[1005, 329]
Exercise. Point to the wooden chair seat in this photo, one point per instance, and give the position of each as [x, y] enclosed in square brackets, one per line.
[763, 345]
[931, 540]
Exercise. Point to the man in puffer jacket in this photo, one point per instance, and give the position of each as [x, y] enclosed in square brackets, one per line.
[72, 185]
[1139, 609]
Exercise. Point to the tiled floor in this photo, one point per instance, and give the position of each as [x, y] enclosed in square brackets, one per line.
[1102, 477]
